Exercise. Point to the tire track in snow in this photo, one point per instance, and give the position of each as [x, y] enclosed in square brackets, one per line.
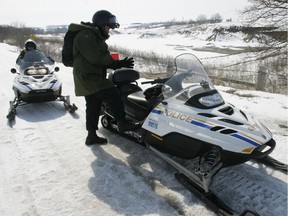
[62, 165]
[42, 157]
[16, 192]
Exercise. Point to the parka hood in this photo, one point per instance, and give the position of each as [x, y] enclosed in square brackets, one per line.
[82, 26]
[85, 26]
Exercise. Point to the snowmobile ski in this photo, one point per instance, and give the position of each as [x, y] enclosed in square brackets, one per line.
[273, 163]
[12, 110]
[70, 107]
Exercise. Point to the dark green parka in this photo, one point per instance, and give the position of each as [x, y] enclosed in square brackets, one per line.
[91, 60]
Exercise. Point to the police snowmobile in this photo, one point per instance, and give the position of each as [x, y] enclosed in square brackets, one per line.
[36, 82]
[185, 117]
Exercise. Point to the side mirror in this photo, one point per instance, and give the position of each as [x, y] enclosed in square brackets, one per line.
[56, 69]
[13, 70]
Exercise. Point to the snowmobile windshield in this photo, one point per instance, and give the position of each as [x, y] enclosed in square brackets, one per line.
[34, 59]
[190, 84]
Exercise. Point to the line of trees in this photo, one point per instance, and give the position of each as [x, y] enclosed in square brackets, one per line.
[17, 34]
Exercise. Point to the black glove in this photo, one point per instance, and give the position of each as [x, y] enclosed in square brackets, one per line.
[127, 62]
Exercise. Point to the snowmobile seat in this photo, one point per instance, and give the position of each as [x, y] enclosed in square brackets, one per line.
[129, 89]
[137, 106]
[139, 99]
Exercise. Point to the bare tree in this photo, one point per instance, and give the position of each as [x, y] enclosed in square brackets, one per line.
[216, 18]
[271, 13]
[201, 19]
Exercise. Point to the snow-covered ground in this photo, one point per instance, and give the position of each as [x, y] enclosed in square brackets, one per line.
[47, 170]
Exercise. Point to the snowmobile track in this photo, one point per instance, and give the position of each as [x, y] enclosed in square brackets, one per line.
[240, 185]
[211, 200]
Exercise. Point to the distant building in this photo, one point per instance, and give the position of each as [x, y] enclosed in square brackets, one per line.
[56, 29]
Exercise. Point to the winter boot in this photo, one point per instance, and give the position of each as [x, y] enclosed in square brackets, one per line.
[92, 139]
[125, 125]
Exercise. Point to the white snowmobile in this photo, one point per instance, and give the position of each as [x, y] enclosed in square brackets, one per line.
[185, 117]
[36, 82]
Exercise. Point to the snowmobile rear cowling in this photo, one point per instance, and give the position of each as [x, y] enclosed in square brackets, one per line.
[124, 76]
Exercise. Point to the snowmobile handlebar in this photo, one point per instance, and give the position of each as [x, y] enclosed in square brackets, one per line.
[156, 81]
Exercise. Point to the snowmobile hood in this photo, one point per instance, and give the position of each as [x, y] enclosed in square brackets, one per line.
[231, 133]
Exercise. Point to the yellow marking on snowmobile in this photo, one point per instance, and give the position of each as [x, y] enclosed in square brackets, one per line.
[157, 137]
[206, 122]
[248, 150]
[251, 138]
[160, 108]
[253, 127]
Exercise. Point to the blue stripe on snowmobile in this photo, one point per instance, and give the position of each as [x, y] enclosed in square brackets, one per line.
[52, 85]
[29, 87]
[201, 124]
[234, 135]
[245, 139]
[156, 111]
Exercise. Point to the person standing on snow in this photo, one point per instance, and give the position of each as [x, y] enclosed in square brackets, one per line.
[90, 62]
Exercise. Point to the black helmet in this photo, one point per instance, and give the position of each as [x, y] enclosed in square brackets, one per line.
[30, 44]
[105, 18]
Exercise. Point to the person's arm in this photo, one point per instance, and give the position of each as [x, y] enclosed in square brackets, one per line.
[21, 55]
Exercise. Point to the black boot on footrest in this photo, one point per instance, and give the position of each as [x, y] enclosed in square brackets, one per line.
[93, 139]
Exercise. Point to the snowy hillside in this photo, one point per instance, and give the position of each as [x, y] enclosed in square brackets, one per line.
[47, 170]
[181, 38]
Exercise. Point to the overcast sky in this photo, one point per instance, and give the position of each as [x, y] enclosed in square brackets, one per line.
[40, 13]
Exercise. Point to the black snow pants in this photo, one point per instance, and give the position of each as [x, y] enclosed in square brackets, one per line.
[112, 97]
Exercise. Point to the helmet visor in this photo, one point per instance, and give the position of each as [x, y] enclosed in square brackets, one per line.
[113, 23]
[30, 45]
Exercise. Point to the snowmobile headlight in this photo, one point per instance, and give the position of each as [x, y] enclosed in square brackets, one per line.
[211, 100]
[36, 71]
[31, 71]
[42, 71]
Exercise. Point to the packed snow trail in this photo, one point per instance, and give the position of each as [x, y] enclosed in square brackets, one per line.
[46, 169]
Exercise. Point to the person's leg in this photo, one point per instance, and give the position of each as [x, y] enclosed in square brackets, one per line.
[93, 107]
[113, 99]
